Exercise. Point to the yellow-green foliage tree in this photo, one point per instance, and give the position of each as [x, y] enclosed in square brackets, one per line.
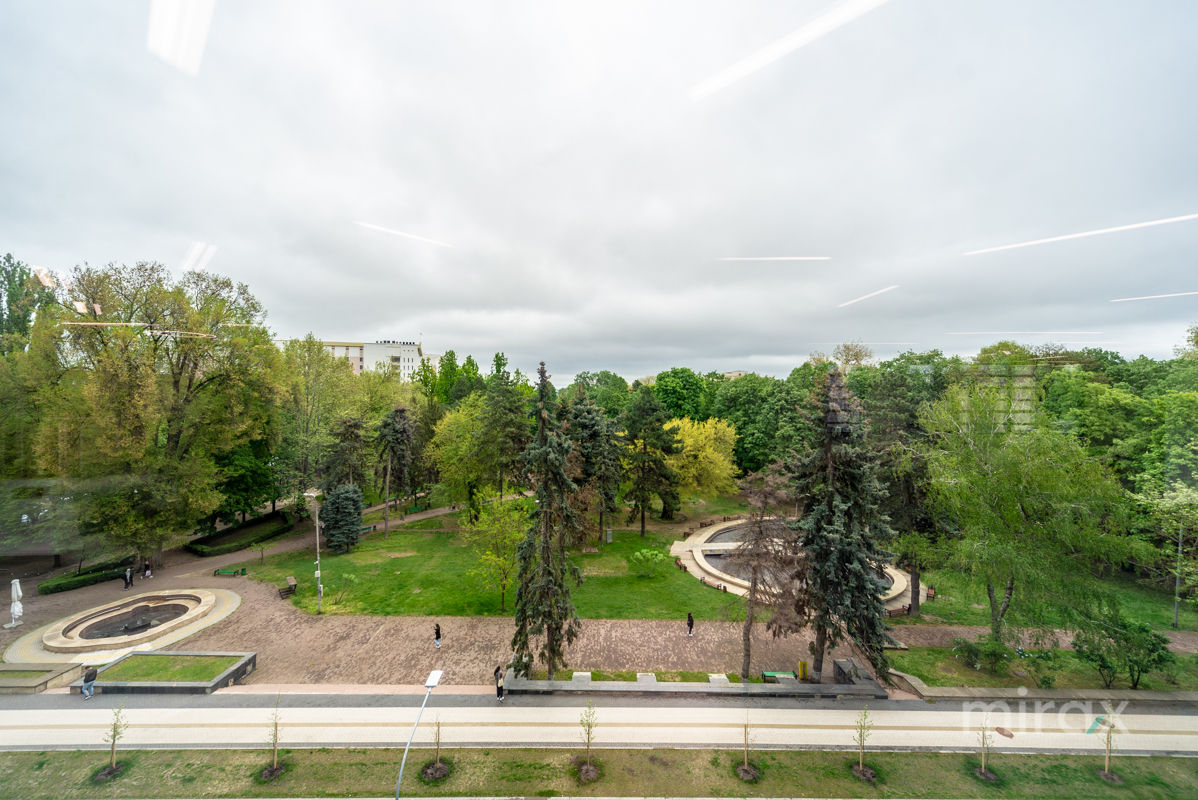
[178, 371]
[704, 461]
[457, 451]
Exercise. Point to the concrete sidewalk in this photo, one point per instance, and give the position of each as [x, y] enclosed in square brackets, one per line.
[322, 721]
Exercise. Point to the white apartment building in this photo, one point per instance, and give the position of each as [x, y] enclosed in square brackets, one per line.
[405, 357]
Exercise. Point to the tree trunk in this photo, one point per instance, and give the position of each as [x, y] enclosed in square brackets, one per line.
[999, 610]
[642, 520]
[746, 635]
[914, 610]
[387, 496]
[817, 654]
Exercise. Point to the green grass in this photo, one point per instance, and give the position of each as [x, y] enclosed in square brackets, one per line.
[22, 673]
[422, 573]
[936, 666]
[547, 772]
[959, 602]
[168, 668]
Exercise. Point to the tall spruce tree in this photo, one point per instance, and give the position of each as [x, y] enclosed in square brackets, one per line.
[838, 532]
[505, 424]
[346, 458]
[341, 518]
[647, 444]
[544, 611]
[596, 442]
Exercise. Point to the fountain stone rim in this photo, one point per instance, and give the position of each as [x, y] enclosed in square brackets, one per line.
[61, 637]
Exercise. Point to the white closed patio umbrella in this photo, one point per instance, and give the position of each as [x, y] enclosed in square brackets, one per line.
[16, 609]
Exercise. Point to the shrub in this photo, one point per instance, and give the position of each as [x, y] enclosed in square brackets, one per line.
[1040, 664]
[65, 583]
[1099, 650]
[200, 548]
[1141, 650]
[647, 563]
[967, 652]
[993, 653]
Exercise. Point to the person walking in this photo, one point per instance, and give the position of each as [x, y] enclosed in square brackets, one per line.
[146, 573]
[88, 690]
[437, 635]
[128, 577]
[690, 624]
[499, 683]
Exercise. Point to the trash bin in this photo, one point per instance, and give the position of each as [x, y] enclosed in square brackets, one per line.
[609, 535]
[801, 670]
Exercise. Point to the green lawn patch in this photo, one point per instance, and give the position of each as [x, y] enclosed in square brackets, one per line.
[413, 572]
[547, 772]
[936, 666]
[169, 668]
[959, 602]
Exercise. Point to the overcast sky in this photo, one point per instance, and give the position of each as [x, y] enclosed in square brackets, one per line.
[592, 163]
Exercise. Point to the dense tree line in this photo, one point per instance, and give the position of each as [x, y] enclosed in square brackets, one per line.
[141, 407]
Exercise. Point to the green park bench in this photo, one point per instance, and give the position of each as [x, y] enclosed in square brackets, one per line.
[367, 528]
[290, 588]
[216, 572]
[772, 677]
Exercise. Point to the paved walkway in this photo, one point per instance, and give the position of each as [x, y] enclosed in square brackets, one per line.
[470, 721]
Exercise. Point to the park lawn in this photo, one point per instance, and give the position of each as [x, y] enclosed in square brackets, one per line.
[936, 666]
[169, 668]
[429, 574]
[959, 602]
[547, 772]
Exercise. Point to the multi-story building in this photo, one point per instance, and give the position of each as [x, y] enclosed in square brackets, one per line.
[404, 357]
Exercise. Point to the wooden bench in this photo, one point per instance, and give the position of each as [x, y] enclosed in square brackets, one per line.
[290, 588]
[216, 572]
[931, 593]
[898, 612]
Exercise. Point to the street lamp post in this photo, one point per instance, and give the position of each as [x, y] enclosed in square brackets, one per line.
[316, 522]
[430, 683]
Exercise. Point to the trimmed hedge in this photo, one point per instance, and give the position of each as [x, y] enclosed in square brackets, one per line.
[104, 571]
[205, 550]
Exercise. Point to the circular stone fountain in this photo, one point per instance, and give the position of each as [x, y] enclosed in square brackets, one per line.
[713, 550]
[133, 621]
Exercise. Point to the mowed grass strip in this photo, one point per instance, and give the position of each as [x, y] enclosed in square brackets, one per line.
[423, 573]
[640, 773]
[936, 666]
[169, 668]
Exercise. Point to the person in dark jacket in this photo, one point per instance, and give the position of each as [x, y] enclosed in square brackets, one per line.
[88, 690]
[437, 635]
[499, 683]
[690, 624]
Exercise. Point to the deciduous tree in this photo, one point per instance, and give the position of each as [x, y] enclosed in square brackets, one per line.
[1035, 513]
